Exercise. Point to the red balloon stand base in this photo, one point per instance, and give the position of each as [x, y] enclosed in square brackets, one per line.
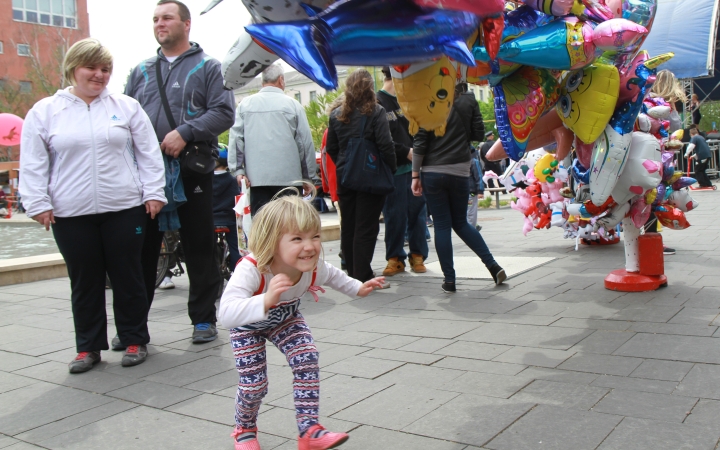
[624, 281]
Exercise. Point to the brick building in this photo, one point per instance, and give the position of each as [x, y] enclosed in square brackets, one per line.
[34, 36]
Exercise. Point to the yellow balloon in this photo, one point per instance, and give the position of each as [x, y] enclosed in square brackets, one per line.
[425, 92]
[544, 168]
[651, 196]
[588, 97]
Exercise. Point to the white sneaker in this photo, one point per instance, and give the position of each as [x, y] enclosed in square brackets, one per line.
[167, 283]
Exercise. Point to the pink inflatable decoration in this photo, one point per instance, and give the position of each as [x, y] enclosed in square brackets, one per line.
[10, 129]
[483, 8]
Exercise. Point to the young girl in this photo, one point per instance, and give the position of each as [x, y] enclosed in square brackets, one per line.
[261, 302]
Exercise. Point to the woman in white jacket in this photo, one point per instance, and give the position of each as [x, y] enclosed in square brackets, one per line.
[91, 167]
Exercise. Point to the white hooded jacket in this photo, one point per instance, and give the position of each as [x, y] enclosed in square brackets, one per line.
[78, 159]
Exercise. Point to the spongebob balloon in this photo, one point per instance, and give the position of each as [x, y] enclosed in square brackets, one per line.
[425, 92]
[587, 100]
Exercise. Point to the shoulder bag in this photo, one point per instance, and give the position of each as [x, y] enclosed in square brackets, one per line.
[197, 157]
[365, 170]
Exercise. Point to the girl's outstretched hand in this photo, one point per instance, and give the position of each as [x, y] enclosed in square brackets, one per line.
[368, 286]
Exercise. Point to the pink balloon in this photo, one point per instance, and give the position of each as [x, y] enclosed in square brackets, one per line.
[10, 129]
[486, 8]
[583, 152]
[616, 34]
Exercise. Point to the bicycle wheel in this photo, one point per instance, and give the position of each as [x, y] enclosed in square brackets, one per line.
[163, 262]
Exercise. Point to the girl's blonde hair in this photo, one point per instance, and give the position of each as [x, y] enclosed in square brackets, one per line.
[87, 52]
[284, 214]
[668, 87]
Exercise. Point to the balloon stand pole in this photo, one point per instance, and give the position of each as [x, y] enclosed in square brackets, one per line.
[643, 269]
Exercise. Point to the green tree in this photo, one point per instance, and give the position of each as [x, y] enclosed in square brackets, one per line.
[487, 109]
[710, 114]
[317, 118]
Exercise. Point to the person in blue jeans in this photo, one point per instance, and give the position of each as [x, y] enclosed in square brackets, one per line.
[225, 188]
[445, 165]
[404, 214]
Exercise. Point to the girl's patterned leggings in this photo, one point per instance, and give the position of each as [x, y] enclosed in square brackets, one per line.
[293, 338]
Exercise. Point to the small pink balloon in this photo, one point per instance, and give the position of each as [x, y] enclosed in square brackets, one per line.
[640, 212]
[10, 129]
[616, 34]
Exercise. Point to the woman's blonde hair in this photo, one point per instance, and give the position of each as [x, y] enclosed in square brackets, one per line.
[284, 214]
[668, 87]
[87, 52]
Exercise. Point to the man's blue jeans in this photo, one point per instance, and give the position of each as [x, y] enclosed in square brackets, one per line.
[403, 211]
[447, 197]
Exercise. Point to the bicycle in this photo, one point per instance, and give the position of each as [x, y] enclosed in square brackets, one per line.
[171, 254]
[223, 252]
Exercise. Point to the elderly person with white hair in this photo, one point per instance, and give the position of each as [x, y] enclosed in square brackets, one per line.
[271, 145]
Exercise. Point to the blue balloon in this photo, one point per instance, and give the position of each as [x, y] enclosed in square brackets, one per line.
[367, 33]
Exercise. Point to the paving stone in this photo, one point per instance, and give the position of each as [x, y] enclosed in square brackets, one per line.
[596, 324]
[427, 345]
[23, 446]
[359, 366]
[338, 393]
[42, 403]
[646, 405]
[556, 428]
[6, 441]
[602, 364]
[542, 308]
[604, 342]
[527, 335]
[635, 384]
[470, 419]
[702, 381]
[662, 370]
[667, 328]
[9, 382]
[210, 407]
[695, 316]
[353, 337]
[156, 395]
[76, 421]
[567, 395]
[332, 320]
[371, 437]
[542, 357]
[475, 365]
[144, 427]
[426, 376]
[156, 363]
[432, 314]
[192, 371]
[641, 434]
[676, 348]
[396, 407]
[217, 382]
[564, 376]
[644, 314]
[396, 355]
[414, 327]
[93, 381]
[283, 423]
[490, 385]
[393, 341]
[511, 317]
[473, 350]
[705, 414]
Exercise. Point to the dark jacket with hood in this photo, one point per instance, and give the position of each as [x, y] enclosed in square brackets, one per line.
[464, 125]
[399, 126]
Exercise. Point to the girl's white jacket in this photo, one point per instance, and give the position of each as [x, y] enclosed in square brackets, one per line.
[78, 159]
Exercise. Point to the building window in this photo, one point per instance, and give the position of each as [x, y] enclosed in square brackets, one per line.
[298, 97]
[313, 96]
[25, 86]
[2, 48]
[23, 50]
[482, 95]
[59, 13]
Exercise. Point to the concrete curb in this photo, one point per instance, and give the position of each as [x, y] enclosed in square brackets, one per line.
[32, 268]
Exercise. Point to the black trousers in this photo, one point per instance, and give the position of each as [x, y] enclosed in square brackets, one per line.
[700, 175]
[262, 195]
[96, 244]
[197, 234]
[359, 228]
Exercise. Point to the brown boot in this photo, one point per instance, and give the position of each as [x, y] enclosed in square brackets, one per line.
[416, 263]
[394, 266]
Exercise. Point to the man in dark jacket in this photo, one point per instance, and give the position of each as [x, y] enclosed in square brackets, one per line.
[402, 211]
[202, 109]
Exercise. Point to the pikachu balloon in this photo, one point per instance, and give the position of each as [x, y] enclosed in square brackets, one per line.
[425, 92]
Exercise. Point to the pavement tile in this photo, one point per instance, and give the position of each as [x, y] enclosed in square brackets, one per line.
[432, 314]
[395, 407]
[641, 434]
[669, 328]
[695, 316]
[387, 439]
[193, 371]
[210, 407]
[23, 446]
[675, 348]
[474, 365]
[564, 376]
[42, 403]
[144, 427]
[427, 345]
[6, 441]
[662, 370]
[76, 421]
[705, 414]
[397, 355]
[491, 385]
[426, 376]
[444, 329]
[94, 380]
[359, 366]
[9, 382]
[602, 364]
[702, 381]
[527, 335]
[644, 314]
[521, 319]
[156, 395]
[595, 324]
[215, 383]
[556, 428]
[473, 350]
[332, 320]
[635, 384]
[470, 419]
[567, 395]
[281, 422]
[604, 342]
[541, 308]
[330, 353]
[393, 341]
[352, 337]
[156, 363]
[646, 405]
[529, 356]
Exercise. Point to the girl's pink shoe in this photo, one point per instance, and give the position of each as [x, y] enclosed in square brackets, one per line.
[326, 441]
[251, 444]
